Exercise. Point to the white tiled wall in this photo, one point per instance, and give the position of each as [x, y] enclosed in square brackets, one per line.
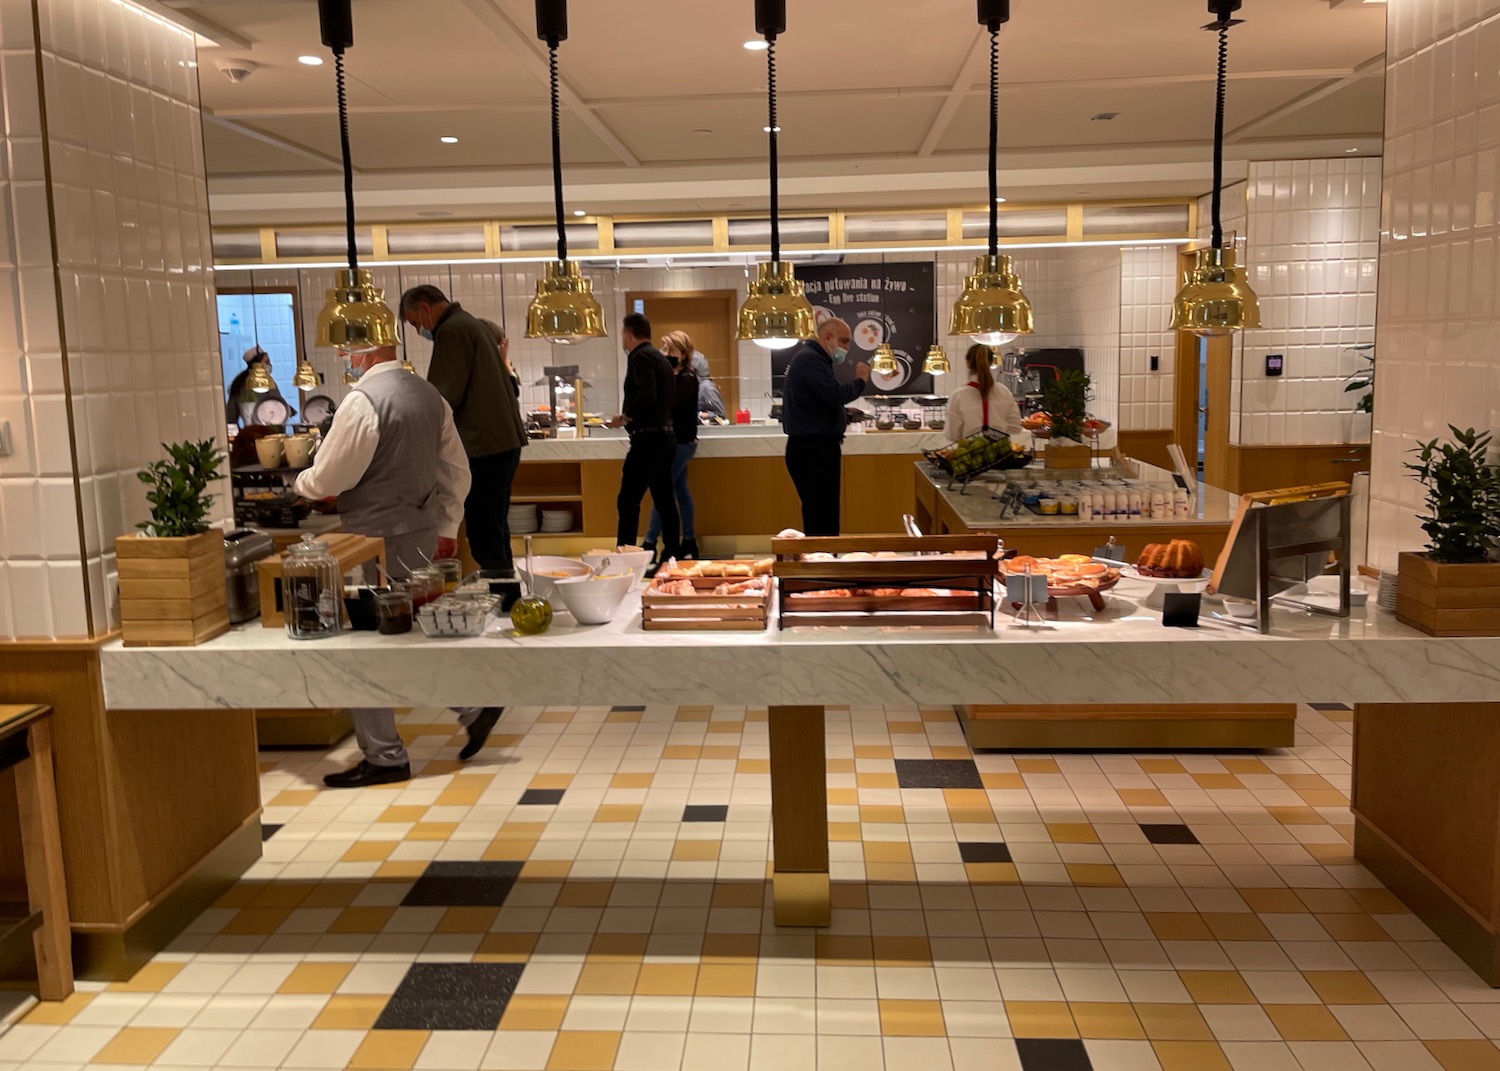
[1438, 323]
[129, 211]
[1313, 231]
[1148, 283]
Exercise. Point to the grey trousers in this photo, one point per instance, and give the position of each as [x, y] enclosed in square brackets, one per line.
[375, 732]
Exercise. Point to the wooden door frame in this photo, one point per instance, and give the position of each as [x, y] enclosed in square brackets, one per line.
[730, 300]
[1185, 387]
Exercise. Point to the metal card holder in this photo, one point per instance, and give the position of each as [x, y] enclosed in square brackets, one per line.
[1028, 589]
[1289, 543]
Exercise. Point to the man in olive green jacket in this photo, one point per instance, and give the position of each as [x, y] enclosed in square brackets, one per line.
[467, 370]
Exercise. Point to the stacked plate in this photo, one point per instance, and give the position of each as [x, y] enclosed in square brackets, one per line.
[523, 519]
[1386, 597]
[557, 520]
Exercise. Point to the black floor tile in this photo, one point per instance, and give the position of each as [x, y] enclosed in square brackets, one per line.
[937, 773]
[984, 852]
[705, 812]
[1168, 833]
[626, 710]
[1330, 706]
[451, 996]
[267, 831]
[542, 797]
[478, 884]
[1052, 1054]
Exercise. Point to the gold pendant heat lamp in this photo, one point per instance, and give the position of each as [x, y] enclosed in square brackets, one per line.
[260, 380]
[776, 313]
[993, 309]
[355, 317]
[884, 362]
[564, 310]
[306, 377]
[937, 363]
[1216, 298]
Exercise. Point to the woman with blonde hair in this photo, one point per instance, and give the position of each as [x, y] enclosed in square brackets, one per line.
[678, 347]
[983, 402]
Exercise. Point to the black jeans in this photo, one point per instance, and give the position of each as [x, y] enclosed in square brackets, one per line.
[648, 467]
[487, 509]
[816, 464]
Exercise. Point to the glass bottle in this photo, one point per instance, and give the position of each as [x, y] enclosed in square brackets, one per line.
[531, 615]
[312, 591]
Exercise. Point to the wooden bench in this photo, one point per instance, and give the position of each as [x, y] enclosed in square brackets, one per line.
[26, 751]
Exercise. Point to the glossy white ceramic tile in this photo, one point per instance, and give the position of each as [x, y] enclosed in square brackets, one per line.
[1437, 316]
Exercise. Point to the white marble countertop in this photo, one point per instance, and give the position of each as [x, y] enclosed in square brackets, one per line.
[1121, 656]
[758, 441]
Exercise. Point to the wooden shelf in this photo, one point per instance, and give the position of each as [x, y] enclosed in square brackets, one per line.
[546, 496]
[570, 533]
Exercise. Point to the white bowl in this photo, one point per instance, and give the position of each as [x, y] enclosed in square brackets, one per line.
[638, 561]
[594, 601]
[543, 586]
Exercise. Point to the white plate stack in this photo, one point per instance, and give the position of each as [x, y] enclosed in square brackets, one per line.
[523, 519]
[555, 521]
[1386, 597]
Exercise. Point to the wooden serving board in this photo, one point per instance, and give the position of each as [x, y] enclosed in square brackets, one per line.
[706, 611]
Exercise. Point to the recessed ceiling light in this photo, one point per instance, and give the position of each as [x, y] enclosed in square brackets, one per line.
[757, 45]
[310, 61]
[767, 130]
[1356, 149]
[187, 63]
[579, 212]
[448, 139]
[999, 200]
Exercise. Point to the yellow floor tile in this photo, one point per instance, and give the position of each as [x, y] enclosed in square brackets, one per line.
[402, 813]
[57, 1012]
[841, 797]
[467, 920]
[939, 752]
[897, 951]
[731, 948]
[1465, 1055]
[618, 947]
[957, 799]
[1217, 780]
[1237, 926]
[369, 851]
[972, 816]
[440, 767]
[551, 780]
[389, 1050]
[241, 894]
[294, 797]
[1072, 833]
[840, 765]
[315, 978]
[534, 1011]
[136, 1045]
[1329, 901]
[1343, 987]
[906, 728]
[356, 1011]
[1379, 902]
[282, 894]
[1179, 926]
[1190, 1056]
[876, 780]
[1094, 874]
[257, 920]
[1353, 928]
[726, 980]
[667, 979]
[1141, 797]
[618, 812]
[882, 816]
[992, 873]
[683, 751]
[753, 766]
[332, 894]
[506, 739]
[522, 830]
[873, 751]
[400, 869]
[739, 894]
[152, 978]
[1273, 901]
[1323, 797]
[1040, 1019]
[608, 979]
[1037, 766]
[887, 851]
[585, 893]
[834, 950]
[361, 920]
[459, 797]
[432, 831]
[844, 894]
[1173, 1022]
[631, 780]
[1002, 780]
[912, 1019]
[554, 717]
[546, 869]
[1297, 816]
[503, 850]
[1308, 781]
[696, 850]
[694, 713]
[1332, 854]
[1245, 766]
[726, 728]
[1107, 1021]
[505, 948]
[584, 1050]
[720, 753]
[623, 717]
[1305, 1022]
[1216, 987]
[891, 873]
[1160, 766]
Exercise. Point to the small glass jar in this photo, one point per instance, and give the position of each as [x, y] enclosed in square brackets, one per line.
[393, 612]
[312, 591]
[453, 572]
[1068, 507]
[426, 585]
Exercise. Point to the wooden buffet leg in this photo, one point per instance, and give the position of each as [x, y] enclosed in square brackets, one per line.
[41, 845]
[799, 816]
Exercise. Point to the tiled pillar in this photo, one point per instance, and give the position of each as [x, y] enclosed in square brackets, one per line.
[108, 342]
[1438, 322]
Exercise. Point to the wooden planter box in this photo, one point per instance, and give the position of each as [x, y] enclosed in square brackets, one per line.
[1068, 456]
[1448, 600]
[172, 591]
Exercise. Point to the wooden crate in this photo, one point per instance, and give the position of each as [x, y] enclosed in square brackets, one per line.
[351, 551]
[1443, 599]
[803, 584]
[706, 611]
[1068, 457]
[172, 591]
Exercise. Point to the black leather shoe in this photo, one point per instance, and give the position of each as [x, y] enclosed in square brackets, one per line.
[480, 731]
[689, 549]
[365, 775]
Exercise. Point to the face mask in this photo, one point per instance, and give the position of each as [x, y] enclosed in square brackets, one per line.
[839, 354]
[352, 374]
[425, 332]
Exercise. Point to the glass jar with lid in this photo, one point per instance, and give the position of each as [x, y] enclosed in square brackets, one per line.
[312, 591]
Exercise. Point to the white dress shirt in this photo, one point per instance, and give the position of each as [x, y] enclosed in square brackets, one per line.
[966, 412]
[346, 453]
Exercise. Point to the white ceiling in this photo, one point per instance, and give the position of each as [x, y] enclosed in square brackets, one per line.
[882, 102]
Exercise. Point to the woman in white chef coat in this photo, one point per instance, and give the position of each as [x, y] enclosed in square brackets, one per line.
[982, 402]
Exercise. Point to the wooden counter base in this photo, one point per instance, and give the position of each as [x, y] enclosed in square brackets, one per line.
[302, 728]
[1049, 728]
[1427, 818]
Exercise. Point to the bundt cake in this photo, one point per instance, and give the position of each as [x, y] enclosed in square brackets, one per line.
[1180, 559]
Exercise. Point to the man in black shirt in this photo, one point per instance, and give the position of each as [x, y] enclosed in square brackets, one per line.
[812, 412]
[648, 419]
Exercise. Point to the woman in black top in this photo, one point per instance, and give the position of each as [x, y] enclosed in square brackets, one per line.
[678, 348]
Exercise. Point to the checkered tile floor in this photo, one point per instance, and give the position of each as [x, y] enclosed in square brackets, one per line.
[590, 894]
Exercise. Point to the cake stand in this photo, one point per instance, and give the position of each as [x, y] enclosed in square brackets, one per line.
[1162, 585]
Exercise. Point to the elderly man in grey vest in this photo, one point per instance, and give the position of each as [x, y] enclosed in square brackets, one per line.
[397, 469]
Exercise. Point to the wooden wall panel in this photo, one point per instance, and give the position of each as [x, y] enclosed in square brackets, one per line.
[877, 490]
[1149, 446]
[1265, 468]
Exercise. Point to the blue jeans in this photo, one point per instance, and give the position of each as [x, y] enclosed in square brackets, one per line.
[682, 493]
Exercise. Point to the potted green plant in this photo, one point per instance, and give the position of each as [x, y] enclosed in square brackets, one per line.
[172, 590]
[1453, 589]
[1362, 382]
[1066, 400]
